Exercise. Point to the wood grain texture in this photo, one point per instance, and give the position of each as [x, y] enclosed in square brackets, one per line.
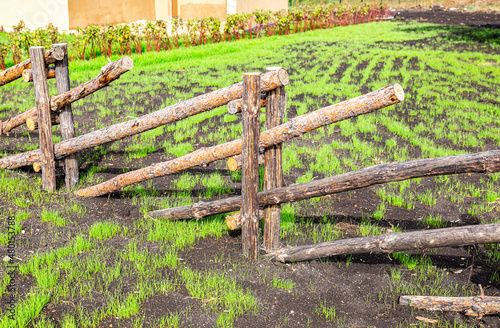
[296, 127]
[71, 171]
[147, 122]
[108, 74]
[484, 162]
[16, 71]
[393, 242]
[234, 106]
[250, 169]
[44, 120]
[32, 122]
[472, 306]
[273, 174]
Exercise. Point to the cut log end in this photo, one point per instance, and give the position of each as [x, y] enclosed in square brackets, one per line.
[283, 76]
[232, 164]
[231, 222]
[26, 75]
[58, 53]
[399, 92]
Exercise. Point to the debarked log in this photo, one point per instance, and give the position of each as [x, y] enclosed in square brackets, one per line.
[234, 106]
[484, 162]
[296, 127]
[393, 242]
[179, 111]
[472, 306]
[16, 71]
[108, 74]
[28, 74]
[32, 122]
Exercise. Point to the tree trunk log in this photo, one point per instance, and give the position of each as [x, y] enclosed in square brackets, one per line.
[234, 163]
[37, 167]
[108, 74]
[296, 127]
[393, 242]
[32, 122]
[484, 162]
[473, 306]
[28, 74]
[147, 122]
[43, 109]
[71, 171]
[234, 106]
[250, 170]
[273, 174]
[16, 71]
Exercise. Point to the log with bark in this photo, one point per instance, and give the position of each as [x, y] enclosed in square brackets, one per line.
[43, 108]
[234, 106]
[147, 122]
[294, 128]
[28, 74]
[233, 221]
[484, 162]
[234, 163]
[108, 74]
[472, 306]
[16, 71]
[32, 122]
[393, 242]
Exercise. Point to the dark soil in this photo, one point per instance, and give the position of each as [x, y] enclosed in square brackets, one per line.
[357, 286]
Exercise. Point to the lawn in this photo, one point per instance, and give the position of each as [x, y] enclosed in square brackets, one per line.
[103, 262]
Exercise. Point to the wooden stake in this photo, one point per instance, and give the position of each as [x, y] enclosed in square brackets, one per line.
[485, 162]
[296, 127]
[273, 174]
[16, 71]
[147, 122]
[28, 74]
[250, 169]
[472, 306]
[66, 117]
[43, 111]
[393, 242]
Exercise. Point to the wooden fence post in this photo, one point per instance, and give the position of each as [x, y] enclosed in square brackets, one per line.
[66, 117]
[250, 170]
[273, 175]
[43, 112]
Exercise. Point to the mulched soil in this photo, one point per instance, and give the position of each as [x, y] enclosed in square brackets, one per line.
[353, 285]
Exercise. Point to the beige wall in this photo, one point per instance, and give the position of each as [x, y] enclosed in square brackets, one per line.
[249, 6]
[35, 13]
[163, 9]
[189, 9]
[83, 13]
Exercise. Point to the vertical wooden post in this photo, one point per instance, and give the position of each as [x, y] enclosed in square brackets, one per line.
[43, 112]
[66, 117]
[273, 175]
[250, 167]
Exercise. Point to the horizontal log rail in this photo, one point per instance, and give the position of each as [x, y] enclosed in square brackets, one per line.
[471, 306]
[234, 163]
[484, 162]
[296, 127]
[32, 122]
[28, 74]
[179, 111]
[393, 242]
[108, 74]
[16, 71]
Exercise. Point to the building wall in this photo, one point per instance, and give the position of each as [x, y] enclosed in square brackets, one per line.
[35, 13]
[189, 9]
[249, 6]
[83, 13]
